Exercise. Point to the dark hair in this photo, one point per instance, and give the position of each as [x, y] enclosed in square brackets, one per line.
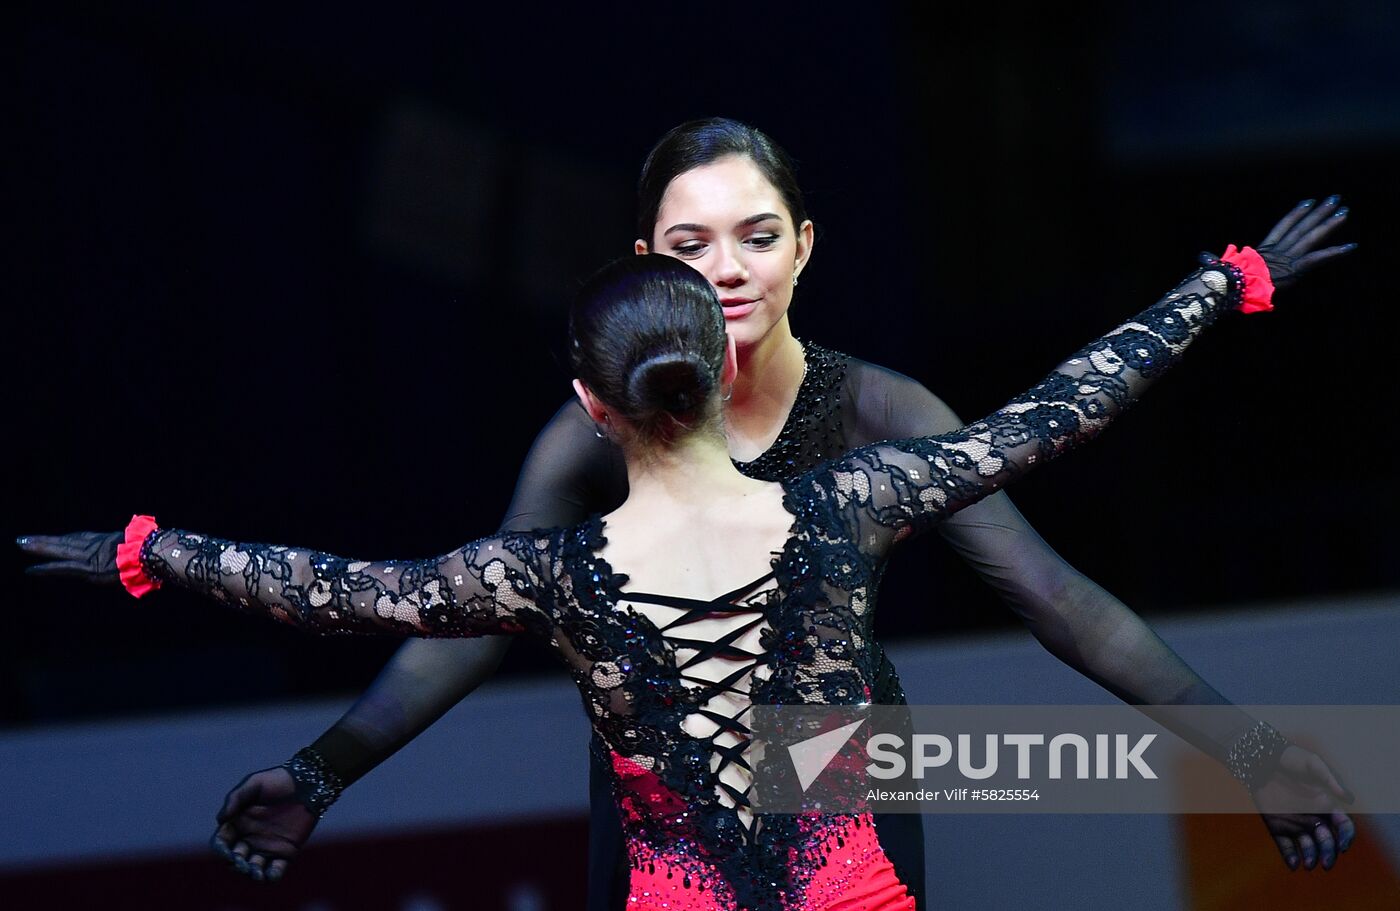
[646, 335]
[700, 142]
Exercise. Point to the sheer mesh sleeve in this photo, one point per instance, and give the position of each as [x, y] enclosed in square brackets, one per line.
[888, 490]
[568, 474]
[488, 586]
[1070, 615]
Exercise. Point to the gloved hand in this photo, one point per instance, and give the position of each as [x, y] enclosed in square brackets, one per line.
[1306, 839]
[1290, 250]
[87, 555]
[262, 825]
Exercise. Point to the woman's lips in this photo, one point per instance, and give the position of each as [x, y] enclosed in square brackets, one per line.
[738, 308]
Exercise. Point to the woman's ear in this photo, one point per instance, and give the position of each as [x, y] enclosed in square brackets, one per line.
[596, 410]
[730, 371]
[640, 247]
[806, 239]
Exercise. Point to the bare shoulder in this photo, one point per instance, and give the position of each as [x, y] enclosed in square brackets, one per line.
[706, 545]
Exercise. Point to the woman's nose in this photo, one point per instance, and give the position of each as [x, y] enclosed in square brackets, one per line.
[730, 270]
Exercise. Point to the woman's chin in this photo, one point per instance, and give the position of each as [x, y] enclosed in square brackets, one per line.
[755, 329]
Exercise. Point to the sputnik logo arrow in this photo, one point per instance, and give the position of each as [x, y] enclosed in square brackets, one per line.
[810, 757]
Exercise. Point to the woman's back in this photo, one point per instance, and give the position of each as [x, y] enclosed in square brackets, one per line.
[694, 544]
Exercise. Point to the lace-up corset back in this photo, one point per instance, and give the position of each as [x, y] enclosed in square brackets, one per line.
[702, 586]
[719, 653]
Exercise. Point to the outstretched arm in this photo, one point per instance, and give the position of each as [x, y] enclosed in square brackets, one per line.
[1075, 619]
[569, 473]
[887, 491]
[488, 586]
[1093, 632]
[1080, 622]
[265, 819]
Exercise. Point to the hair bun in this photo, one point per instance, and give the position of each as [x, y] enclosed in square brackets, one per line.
[673, 382]
[649, 343]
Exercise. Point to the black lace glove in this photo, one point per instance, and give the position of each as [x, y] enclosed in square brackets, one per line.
[1290, 249]
[87, 555]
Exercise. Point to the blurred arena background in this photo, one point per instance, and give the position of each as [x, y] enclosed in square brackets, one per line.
[285, 273]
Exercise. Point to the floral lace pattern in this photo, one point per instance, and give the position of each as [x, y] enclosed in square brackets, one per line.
[816, 641]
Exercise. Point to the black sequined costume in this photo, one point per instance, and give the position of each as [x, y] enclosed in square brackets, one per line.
[812, 616]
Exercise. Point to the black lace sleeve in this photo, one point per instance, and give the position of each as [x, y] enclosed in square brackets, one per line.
[488, 586]
[1073, 617]
[887, 491]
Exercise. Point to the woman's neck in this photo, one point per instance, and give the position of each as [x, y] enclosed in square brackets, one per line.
[770, 373]
[694, 469]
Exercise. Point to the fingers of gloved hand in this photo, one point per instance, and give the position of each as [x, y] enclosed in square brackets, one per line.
[1317, 257]
[87, 555]
[1345, 829]
[59, 568]
[1287, 222]
[1288, 849]
[1326, 844]
[54, 547]
[276, 870]
[239, 864]
[1308, 848]
[1289, 824]
[1315, 216]
[1302, 242]
[241, 849]
[221, 842]
[257, 867]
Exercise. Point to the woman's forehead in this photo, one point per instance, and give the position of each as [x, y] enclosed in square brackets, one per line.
[719, 194]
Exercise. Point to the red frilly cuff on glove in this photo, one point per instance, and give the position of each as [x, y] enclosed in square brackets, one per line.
[134, 577]
[1258, 292]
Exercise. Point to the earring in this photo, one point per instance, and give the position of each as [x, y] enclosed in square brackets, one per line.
[728, 394]
[794, 281]
[598, 432]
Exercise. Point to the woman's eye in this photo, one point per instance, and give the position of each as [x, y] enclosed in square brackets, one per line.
[692, 248]
[763, 241]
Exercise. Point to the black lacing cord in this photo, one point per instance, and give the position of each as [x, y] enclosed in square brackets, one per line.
[723, 647]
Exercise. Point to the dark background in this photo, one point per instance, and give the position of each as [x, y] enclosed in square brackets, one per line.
[279, 273]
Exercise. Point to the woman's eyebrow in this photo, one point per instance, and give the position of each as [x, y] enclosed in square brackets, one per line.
[687, 226]
[700, 229]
